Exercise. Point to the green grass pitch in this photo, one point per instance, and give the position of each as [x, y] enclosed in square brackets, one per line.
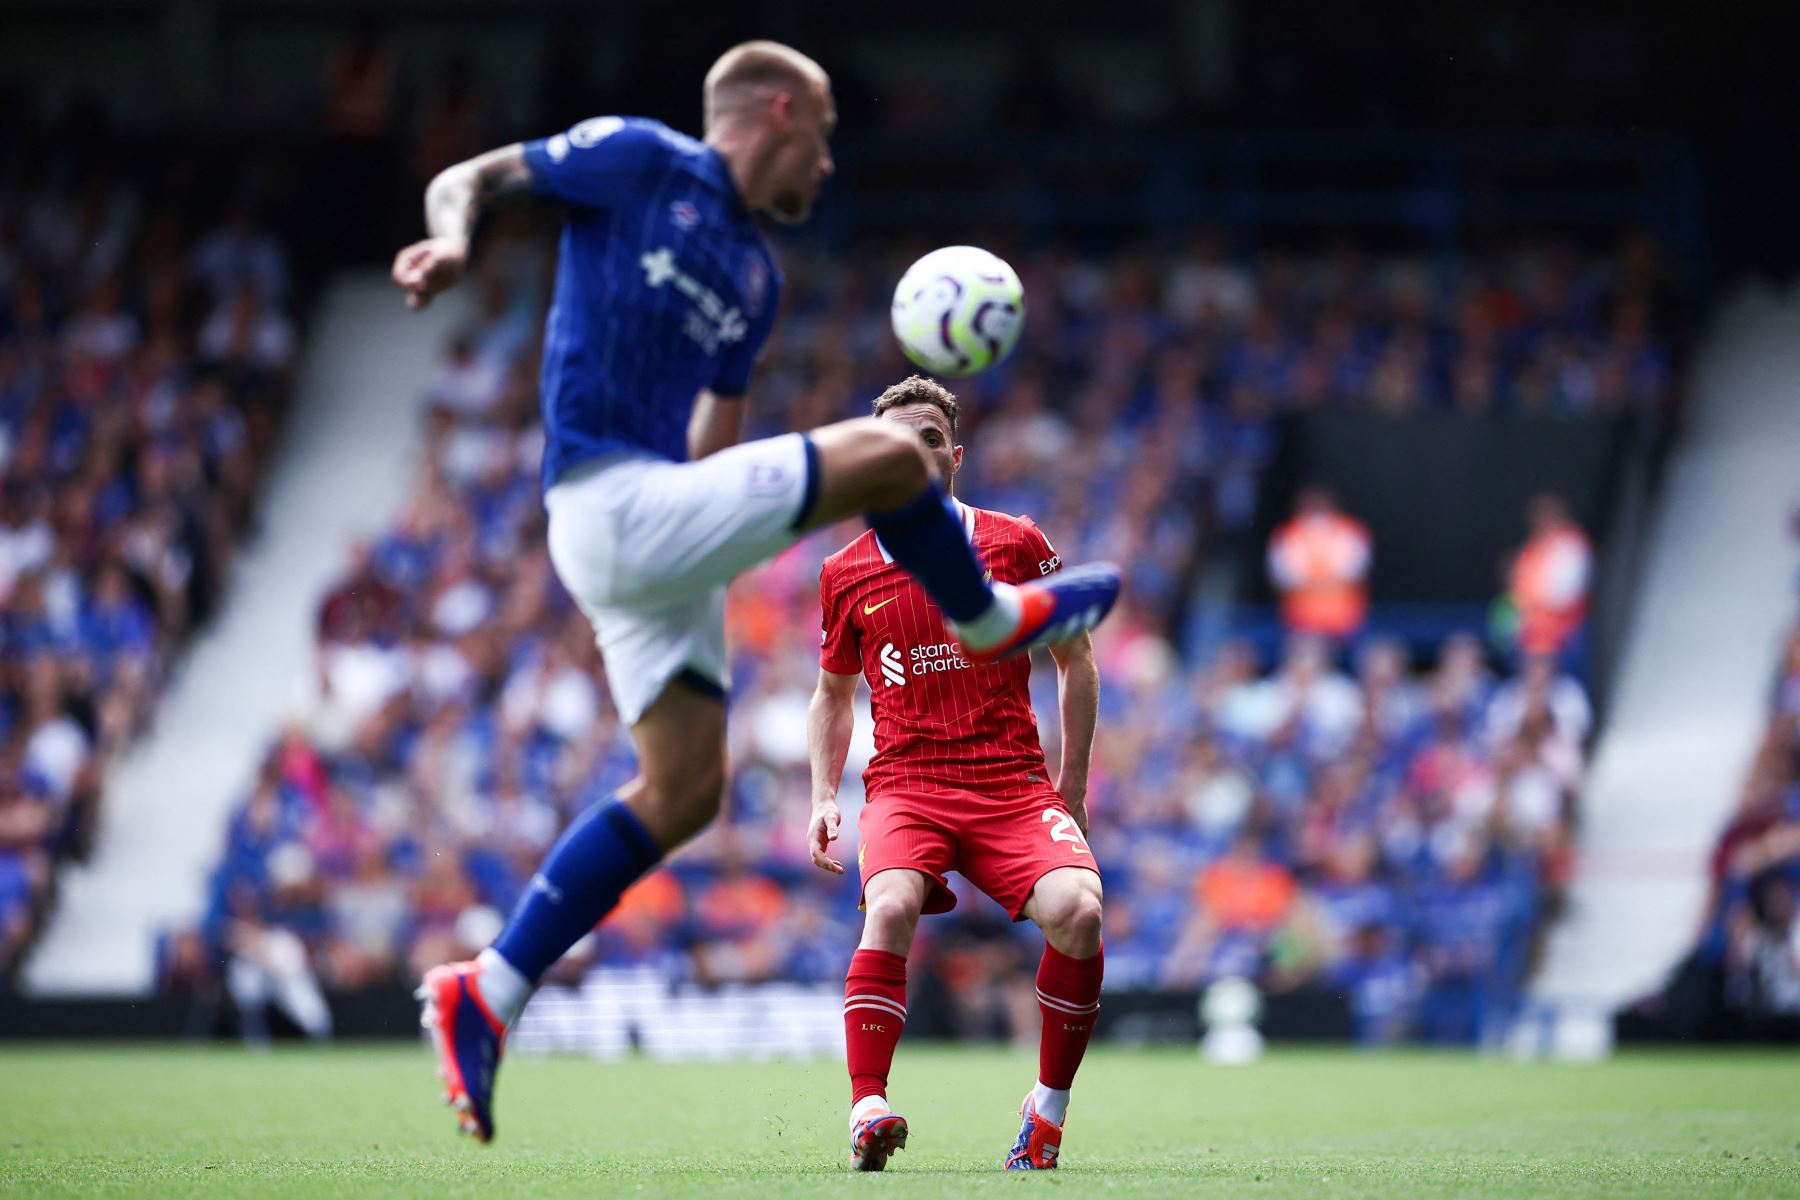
[180, 1121]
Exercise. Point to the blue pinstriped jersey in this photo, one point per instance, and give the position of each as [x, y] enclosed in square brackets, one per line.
[664, 286]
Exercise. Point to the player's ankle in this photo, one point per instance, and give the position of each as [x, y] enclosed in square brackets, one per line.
[1050, 1103]
[503, 989]
[867, 1106]
[998, 623]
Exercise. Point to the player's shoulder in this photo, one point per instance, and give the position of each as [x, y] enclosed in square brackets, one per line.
[1018, 536]
[853, 556]
[993, 521]
[643, 137]
[1003, 519]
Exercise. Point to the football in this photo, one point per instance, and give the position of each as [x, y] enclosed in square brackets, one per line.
[958, 310]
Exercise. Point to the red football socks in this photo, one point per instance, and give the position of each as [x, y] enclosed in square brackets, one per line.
[1068, 996]
[874, 1015]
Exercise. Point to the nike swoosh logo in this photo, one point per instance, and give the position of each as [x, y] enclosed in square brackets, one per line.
[869, 608]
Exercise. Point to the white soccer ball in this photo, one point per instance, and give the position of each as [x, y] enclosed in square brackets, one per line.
[958, 310]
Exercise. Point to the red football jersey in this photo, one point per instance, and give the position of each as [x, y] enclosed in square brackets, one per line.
[938, 718]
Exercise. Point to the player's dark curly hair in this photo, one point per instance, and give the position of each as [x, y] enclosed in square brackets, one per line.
[916, 389]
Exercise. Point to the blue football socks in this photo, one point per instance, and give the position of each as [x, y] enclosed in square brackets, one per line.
[604, 851]
[926, 537]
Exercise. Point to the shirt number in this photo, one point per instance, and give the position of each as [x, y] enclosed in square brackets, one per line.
[1064, 829]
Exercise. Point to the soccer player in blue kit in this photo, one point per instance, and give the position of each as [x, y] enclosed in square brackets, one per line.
[665, 293]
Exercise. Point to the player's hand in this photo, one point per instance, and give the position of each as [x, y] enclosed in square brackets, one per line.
[426, 268]
[1078, 810]
[820, 834]
[1074, 798]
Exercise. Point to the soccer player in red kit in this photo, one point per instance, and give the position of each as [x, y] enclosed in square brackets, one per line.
[958, 782]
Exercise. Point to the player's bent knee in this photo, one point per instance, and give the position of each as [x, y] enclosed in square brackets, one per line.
[1073, 923]
[891, 910]
[1084, 921]
[889, 922]
[868, 465]
[893, 466]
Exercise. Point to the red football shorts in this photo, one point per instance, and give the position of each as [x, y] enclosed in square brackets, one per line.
[1003, 844]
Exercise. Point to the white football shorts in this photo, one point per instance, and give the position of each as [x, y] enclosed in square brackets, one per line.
[646, 546]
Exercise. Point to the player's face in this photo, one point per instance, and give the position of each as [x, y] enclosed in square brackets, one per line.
[933, 428]
[803, 158]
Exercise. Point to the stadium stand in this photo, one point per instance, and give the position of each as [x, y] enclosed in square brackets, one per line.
[1742, 977]
[1333, 820]
[145, 347]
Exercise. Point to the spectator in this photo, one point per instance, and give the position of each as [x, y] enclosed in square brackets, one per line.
[240, 253]
[1461, 919]
[1549, 578]
[1381, 983]
[1541, 689]
[102, 330]
[1241, 900]
[1764, 959]
[1740, 976]
[1306, 708]
[1319, 562]
[1206, 291]
[246, 334]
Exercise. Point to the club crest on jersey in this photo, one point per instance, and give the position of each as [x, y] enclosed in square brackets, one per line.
[684, 214]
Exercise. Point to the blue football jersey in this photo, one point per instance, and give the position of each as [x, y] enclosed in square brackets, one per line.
[664, 286]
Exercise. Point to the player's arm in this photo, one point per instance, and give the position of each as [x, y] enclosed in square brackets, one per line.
[829, 721]
[453, 202]
[1078, 696]
[718, 422]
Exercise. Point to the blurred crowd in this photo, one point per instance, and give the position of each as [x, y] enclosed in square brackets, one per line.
[1342, 817]
[1743, 976]
[1138, 414]
[145, 347]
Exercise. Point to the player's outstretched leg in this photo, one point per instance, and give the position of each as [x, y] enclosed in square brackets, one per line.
[874, 1017]
[875, 1012]
[1065, 904]
[875, 468]
[468, 1006]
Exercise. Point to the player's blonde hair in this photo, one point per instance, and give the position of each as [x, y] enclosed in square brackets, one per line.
[750, 68]
[916, 389]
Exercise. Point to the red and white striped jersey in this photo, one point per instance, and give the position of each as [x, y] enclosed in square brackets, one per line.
[938, 718]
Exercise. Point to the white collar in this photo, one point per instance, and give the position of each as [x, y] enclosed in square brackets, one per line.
[968, 520]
